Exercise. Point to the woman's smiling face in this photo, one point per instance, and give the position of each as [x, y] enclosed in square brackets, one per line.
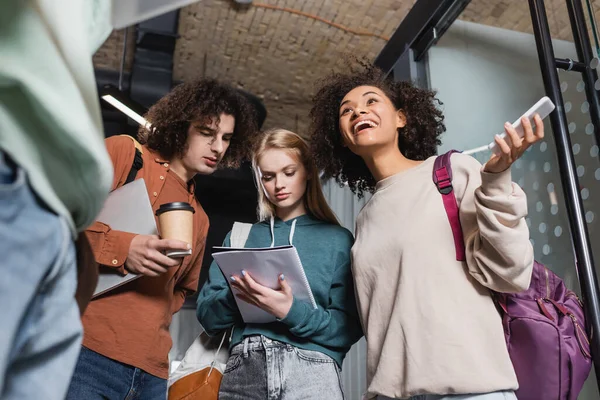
[369, 120]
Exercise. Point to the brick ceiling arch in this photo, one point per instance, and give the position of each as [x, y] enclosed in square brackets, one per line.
[277, 49]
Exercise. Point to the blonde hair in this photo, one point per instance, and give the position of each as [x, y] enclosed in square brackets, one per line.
[314, 200]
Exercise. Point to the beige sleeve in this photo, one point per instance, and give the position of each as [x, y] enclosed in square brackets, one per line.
[492, 212]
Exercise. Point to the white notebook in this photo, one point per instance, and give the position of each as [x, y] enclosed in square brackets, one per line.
[127, 209]
[264, 265]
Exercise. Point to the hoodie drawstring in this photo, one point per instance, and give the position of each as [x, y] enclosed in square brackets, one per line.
[291, 237]
[292, 231]
[272, 232]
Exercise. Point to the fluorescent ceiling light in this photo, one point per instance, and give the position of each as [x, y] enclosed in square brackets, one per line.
[115, 98]
[125, 110]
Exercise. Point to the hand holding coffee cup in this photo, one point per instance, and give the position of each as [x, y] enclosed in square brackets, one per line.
[146, 255]
[176, 221]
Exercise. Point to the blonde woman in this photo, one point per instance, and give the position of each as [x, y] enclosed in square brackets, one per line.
[300, 355]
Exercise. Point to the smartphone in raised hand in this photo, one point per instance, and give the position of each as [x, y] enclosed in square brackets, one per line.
[543, 107]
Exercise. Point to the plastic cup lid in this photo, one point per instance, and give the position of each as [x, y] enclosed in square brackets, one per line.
[175, 206]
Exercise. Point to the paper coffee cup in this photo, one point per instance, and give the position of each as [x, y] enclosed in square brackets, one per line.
[176, 221]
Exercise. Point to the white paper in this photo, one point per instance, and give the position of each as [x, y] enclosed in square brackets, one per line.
[129, 12]
[264, 266]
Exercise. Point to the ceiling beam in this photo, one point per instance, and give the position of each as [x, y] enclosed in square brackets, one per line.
[422, 27]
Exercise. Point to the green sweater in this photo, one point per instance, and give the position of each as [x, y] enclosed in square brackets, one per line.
[324, 250]
[50, 122]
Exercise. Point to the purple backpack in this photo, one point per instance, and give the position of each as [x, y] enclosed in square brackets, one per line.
[544, 326]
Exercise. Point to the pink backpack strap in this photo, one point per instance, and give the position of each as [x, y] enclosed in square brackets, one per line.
[442, 177]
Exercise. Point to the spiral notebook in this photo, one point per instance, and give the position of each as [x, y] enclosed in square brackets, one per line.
[264, 265]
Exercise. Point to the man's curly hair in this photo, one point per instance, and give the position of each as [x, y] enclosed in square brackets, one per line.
[202, 100]
[418, 140]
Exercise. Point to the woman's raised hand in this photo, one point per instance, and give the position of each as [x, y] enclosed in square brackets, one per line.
[510, 153]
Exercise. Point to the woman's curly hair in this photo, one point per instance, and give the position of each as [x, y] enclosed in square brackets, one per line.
[418, 140]
[202, 100]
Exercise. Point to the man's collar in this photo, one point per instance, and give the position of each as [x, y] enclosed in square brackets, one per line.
[161, 160]
[166, 163]
[158, 158]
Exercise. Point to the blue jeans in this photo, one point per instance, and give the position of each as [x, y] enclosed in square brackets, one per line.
[263, 369]
[41, 330]
[101, 378]
[505, 395]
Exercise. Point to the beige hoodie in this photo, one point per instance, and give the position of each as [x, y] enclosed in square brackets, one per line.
[430, 322]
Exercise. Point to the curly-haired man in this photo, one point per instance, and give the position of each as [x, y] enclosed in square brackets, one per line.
[194, 129]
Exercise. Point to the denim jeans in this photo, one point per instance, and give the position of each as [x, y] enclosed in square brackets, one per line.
[41, 330]
[263, 369]
[100, 378]
[504, 395]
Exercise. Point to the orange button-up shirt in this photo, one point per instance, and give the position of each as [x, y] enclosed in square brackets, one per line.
[131, 324]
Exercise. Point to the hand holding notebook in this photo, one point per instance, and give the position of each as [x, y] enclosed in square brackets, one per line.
[277, 302]
[264, 265]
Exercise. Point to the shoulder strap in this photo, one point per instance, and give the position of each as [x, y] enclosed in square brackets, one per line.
[137, 144]
[138, 161]
[442, 177]
[239, 234]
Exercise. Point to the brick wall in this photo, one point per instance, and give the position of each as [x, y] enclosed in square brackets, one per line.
[278, 55]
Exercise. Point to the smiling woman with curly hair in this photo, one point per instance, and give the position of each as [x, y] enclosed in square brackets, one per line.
[200, 102]
[411, 279]
[417, 140]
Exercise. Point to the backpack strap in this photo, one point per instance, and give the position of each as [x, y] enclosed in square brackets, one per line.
[239, 234]
[137, 144]
[138, 161]
[442, 178]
